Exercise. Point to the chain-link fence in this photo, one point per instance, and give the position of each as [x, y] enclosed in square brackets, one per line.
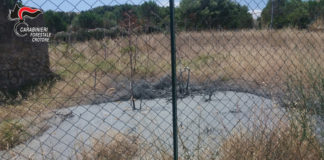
[96, 81]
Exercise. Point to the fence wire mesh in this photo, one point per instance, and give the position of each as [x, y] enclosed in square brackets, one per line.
[250, 81]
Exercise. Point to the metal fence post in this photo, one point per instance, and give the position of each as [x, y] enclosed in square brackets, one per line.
[174, 82]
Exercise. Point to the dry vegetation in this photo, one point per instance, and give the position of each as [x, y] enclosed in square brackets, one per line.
[264, 58]
[120, 148]
[317, 25]
[292, 138]
[11, 134]
[123, 147]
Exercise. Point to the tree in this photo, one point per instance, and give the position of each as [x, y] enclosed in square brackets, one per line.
[109, 20]
[67, 17]
[150, 16]
[55, 22]
[297, 15]
[206, 14]
[89, 20]
[149, 12]
[291, 13]
[189, 12]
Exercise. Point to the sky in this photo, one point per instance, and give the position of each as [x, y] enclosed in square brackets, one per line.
[255, 6]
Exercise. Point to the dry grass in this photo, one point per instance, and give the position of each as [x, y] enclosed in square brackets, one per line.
[123, 147]
[120, 148]
[11, 134]
[265, 58]
[317, 25]
[292, 141]
[292, 138]
[307, 96]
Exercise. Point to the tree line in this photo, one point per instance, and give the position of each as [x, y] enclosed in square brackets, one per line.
[292, 13]
[190, 15]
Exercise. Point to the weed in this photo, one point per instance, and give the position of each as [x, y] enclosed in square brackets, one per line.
[307, 93]
[286, 141]
[11, 134]
[120, 148]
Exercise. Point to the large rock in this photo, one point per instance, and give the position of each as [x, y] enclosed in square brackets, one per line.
[21, 61]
